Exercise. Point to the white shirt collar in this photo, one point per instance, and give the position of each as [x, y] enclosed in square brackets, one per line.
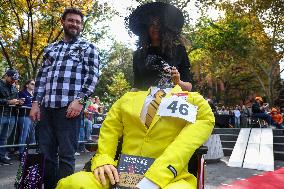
[154, 89]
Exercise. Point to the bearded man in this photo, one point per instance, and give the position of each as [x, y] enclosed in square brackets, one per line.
[66, 79]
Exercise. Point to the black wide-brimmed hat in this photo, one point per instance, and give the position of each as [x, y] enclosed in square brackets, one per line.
[170, 17]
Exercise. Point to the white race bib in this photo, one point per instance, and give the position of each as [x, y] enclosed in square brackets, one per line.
[177, 107]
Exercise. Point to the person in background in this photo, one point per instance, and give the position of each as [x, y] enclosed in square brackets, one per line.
[237, 115]
[8, 99]
[90, 111]
[64, 82]
[277, 118]
[100, 115]
[245, 114]
[161, 55]
[96, 102]
[258, 111]
[99, 107]
[224, 111]
[24, 121]
[85, 127]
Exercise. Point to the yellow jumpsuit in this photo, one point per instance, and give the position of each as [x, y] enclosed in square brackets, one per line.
[171, 141]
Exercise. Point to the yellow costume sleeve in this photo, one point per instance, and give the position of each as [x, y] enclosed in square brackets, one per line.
[176, 156]
[111, 129]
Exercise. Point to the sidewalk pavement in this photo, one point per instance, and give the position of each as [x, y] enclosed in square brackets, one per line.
[216, 174]
[8, 172]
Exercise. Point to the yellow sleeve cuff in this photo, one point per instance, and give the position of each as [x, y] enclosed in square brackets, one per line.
[100, 160]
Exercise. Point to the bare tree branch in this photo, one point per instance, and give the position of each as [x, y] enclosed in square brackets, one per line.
[4, 52]
[184, 5]
[32, 33]
[18, 20]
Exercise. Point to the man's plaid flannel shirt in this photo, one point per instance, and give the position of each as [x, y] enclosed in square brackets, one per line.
[69, 71]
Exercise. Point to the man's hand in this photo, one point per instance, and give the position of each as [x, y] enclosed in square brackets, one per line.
[13, 102]
[110, 171]
[35, 112]
[175, 76]
[74, 109]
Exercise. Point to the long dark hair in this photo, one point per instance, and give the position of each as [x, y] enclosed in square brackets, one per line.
[169, 40]
[26, 83]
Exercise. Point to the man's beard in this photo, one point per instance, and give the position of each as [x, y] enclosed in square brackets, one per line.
[69, 33]
[10, 82]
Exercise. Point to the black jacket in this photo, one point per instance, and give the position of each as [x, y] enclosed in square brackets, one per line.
[7, 92]
[256, 108]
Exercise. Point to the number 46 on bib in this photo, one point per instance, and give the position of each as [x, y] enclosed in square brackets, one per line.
[177, 107]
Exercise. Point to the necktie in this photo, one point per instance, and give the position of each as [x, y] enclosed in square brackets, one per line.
[153, 106]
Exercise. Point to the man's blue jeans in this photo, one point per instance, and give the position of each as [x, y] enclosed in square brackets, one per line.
[237, 122]
[7, 124]
[58, 138]
[25, 126]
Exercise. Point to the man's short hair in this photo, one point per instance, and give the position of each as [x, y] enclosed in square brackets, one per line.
[72, 11]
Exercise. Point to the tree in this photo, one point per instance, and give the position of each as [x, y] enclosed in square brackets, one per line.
[27, 26]
[218, 49]
[2, 68]
[121, 56]
[114, 62]
[118, 86]
[266, 30]
[247, 40]
[267, 19]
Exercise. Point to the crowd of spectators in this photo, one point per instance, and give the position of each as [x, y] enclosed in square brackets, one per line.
[93, 114]
[11, 99]
[239, 114]
[244, 115]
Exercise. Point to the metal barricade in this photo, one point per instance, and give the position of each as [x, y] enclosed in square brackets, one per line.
[13, 133]
[13, 122]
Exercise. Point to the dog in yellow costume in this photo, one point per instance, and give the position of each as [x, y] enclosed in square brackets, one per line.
[170, 140]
